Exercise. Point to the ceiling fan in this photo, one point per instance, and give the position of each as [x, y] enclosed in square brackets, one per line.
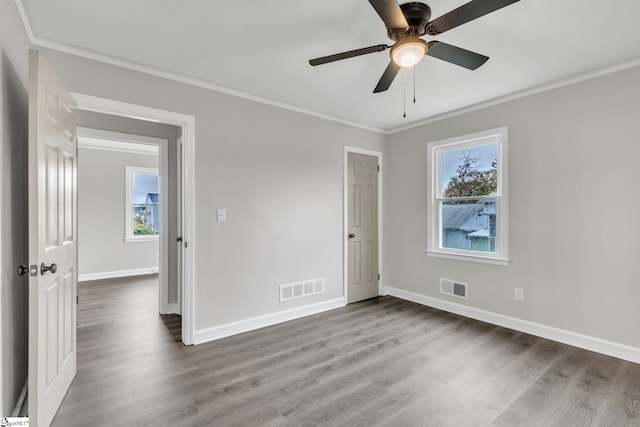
[408, 22]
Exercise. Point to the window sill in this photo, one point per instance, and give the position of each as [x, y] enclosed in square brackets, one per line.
[467, 257]
[141, 239]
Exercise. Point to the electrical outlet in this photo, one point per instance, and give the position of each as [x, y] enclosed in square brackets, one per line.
[518, 294]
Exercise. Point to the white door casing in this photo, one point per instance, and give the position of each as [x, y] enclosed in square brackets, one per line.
[52, 240]
[187, 123]
[362, 227]
[179, 193]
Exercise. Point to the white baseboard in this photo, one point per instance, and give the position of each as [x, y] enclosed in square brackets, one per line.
[19, 410]
[115, 274]
[217, 332]
[586, 342]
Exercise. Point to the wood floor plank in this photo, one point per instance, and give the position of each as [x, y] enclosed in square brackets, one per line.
[381, 362]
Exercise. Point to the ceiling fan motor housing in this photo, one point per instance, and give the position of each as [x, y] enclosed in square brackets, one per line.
[417, 15]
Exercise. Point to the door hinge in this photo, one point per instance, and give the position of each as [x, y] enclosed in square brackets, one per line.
[378, 277]
[378, 168]
[77, 300]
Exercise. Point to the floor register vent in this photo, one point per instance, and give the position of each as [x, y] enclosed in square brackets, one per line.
[301, 289]
[453, 288]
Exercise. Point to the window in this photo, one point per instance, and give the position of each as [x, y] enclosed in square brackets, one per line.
[142, 204]
[467, 200]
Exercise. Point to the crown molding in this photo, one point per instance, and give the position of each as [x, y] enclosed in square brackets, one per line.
[521, 94]
[25, 20]
[83, 53]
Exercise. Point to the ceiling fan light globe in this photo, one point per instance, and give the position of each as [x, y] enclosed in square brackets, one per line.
[409, 53]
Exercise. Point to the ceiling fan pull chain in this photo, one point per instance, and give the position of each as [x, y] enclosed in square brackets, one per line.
[414, 76]
[404, 93]
[414, 83]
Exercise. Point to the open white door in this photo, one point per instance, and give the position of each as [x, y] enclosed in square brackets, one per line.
[52, 241]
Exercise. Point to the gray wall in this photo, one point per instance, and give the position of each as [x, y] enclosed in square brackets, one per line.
[134, 127]
[13, 205]
[101, 213]
[573, 203]
[277, 172]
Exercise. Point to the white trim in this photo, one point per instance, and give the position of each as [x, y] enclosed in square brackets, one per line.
[177, 77]
[163, 227]
[141, 239]
[116, 146]
[345, 216]
[469, 257]
[500, 137]
[188, 124]
[228, 329]
[609, 348]
[21, 399]
[179, 225]
[116, 274]
[25, 20]
[520, 94]
[116, 141]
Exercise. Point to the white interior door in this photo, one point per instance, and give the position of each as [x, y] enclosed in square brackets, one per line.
[362, 227]
[52, 241]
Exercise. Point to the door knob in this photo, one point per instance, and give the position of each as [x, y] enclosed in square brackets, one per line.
[351, 235]
[22, 270]
[52, 268]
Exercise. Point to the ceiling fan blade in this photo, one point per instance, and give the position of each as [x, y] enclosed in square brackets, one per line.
[349, 54]
[456, 55]
[391, 14]
[387, 77]
[465, 13]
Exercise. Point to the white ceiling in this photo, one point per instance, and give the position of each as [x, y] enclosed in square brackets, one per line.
[261, 49]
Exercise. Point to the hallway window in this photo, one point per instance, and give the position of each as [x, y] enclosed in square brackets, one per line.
[142, 204]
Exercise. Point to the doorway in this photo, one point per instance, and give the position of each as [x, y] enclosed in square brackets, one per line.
[122, 169]
[186, 123]
[362, 224]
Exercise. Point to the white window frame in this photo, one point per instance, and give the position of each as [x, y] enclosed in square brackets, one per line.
[434, 197]
[128, 213]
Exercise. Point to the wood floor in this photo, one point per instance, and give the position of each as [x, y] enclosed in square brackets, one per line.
[380, 362]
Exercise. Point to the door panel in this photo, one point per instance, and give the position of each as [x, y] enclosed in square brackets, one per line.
[52, 240]
[362, 199]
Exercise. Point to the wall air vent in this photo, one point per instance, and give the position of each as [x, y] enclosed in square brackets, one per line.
[301, 289]
[453, 288]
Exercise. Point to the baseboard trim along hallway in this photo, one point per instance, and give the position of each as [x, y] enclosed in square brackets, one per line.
[228, 329]
[117, 274]
[609, 348]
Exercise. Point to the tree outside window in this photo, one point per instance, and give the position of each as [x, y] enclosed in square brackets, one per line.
[467, 197]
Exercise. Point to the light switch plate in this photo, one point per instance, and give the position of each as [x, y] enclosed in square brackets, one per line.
[518, 294]
[222, 215]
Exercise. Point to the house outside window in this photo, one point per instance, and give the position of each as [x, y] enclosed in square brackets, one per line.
[467, 198]
[142, 204]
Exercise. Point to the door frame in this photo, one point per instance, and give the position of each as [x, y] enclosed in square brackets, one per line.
[179, 192]
[345, 217]
[187, 124]
[83, 133]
